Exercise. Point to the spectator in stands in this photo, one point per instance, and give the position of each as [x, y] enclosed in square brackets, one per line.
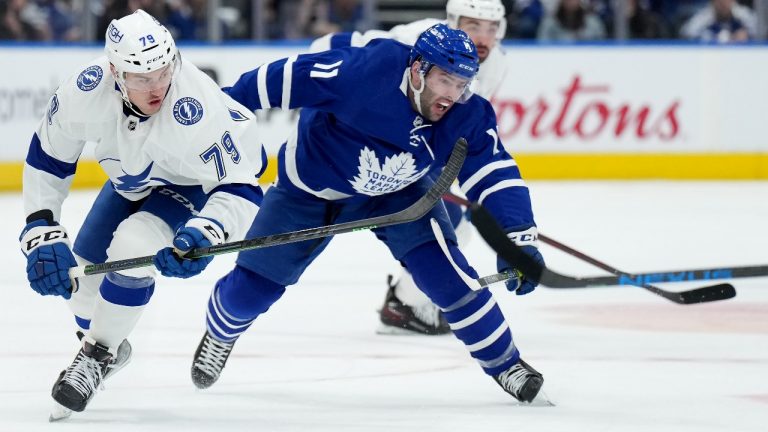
[62, 19]
[643, 23]
[524, 18]
[320, 17]
[722, 21]
[24, 21]
[571, 21]
[185, 19]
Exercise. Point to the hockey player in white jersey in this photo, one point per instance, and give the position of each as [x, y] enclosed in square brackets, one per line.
[173, 146]
[406, 308]
[376, 124]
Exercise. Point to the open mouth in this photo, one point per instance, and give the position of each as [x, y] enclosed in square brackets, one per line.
[442, 106]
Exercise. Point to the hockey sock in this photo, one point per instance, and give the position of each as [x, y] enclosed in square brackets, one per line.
[478, 322]
[474, 316]
[121, 302]
[237, 299]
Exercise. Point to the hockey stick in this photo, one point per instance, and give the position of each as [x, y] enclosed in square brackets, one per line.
[497, 239]
[409, 214]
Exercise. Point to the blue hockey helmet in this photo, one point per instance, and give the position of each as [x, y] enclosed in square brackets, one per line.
[449, 49]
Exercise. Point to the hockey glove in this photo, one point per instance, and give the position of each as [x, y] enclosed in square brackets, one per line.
[45, 243]
[527, 241]
[197, 232]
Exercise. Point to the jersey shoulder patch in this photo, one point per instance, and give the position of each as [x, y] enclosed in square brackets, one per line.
[90, 78]
[187, 110]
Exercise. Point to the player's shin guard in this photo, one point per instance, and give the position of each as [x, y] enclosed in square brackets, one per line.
[235, 302]
[120, 304]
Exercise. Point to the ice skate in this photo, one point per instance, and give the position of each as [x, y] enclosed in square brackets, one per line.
[124, 354]
[399, 318]
[77, 384]
[521, 381]
[209, 361]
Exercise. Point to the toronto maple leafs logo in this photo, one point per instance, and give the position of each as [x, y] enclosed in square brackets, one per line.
[134, 183]
[90, 78]
[373, 179]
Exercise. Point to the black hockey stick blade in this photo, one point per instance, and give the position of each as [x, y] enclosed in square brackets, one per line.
[409, 214]
[699, 295]
[497, 239]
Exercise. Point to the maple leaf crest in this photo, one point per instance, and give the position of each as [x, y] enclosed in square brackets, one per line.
[373, 179]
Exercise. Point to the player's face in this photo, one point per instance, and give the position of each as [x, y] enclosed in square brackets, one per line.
[147, 90]
[441, 91]
[482, 32]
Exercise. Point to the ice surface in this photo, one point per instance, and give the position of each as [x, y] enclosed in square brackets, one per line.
[614, 359]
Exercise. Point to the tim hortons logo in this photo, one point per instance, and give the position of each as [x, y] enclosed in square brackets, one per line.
[587, 112]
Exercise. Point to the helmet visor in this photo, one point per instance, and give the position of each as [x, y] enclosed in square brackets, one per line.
[449, 86]
[155, 80]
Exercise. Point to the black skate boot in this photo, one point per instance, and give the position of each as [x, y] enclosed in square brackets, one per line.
[398, 317]
[77, 385]
[123, 357]
[521, 381]
[209, 361]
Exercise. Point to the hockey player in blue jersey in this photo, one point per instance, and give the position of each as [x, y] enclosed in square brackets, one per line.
[374, 122]
[406, 309]
[170, 142]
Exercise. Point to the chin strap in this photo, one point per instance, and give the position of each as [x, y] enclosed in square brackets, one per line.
[417, 93]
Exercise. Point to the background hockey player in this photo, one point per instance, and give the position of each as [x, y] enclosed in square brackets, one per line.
[405, 306]
[374, 122]
[170, 142]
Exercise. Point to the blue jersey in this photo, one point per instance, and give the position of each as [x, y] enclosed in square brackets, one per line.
[359, 136]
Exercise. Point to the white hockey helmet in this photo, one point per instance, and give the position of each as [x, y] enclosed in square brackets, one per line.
[139, 44]
[490, 10]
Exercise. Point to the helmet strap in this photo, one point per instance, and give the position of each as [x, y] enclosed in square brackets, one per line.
[417, 92]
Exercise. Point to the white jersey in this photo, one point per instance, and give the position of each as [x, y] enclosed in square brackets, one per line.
[489, 78]
[200, 136]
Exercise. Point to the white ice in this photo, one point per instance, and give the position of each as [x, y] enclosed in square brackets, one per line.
[614, 359]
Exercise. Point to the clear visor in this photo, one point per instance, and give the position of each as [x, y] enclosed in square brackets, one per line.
[147, 82]
[480, 29]
[449, 86]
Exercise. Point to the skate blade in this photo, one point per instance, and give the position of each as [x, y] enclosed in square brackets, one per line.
[541, 400]
[388, 330]
[59, 412]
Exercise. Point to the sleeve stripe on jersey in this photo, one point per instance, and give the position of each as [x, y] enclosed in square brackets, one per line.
[39, 159]
[248, 192]
[327, 67]
[484, 171]
[287, 78]
[501, 185]
[261, 86]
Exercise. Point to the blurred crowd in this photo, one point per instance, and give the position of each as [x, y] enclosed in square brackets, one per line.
[716, 21]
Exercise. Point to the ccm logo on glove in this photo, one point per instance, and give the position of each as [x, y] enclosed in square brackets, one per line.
[48, 236]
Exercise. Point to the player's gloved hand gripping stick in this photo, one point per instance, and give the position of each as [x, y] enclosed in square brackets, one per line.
[493, 234]
[411, 213]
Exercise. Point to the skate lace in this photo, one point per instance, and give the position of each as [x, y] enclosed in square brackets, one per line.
[213, 354]
[514, 378]
[84, 375]
[427, 313]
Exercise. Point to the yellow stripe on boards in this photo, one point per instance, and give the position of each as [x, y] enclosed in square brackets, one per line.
[753, 166]
[698, 166]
